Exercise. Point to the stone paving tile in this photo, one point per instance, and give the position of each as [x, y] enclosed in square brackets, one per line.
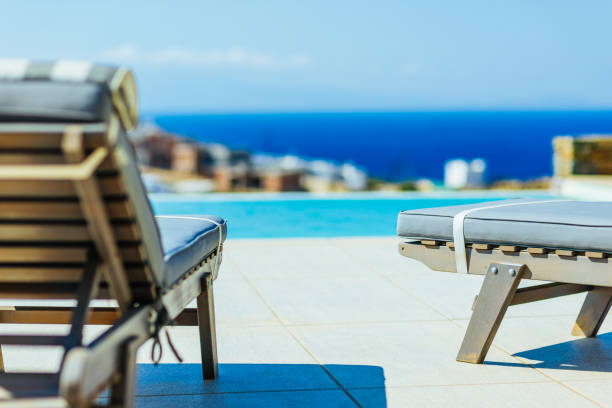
[379, 253]
[295, 259]
[251, 359]
[185, 379]
[27, 358]
[235, 345]
[547, 344]
[341, 300]
[412, 353]
[534, 395]
[237, 304]
[294, 399]
[596, 390]
[229, 269]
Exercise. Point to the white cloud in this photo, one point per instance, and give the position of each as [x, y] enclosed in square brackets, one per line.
[123, 52]
[236, 57]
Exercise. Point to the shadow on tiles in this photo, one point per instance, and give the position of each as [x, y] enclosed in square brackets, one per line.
[584, 354]
[252, 384]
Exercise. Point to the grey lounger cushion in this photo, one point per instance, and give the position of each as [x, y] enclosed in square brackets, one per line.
[187, 241]
[578, 225]
[38, 101]
[55, 92]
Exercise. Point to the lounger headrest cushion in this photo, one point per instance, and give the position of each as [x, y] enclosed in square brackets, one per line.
[66, 91]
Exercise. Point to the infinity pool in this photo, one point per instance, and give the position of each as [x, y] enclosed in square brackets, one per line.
[258, 215]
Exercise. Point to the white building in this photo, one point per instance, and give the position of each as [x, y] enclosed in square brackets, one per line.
[354, 178]
[458, 173]
[476, 173]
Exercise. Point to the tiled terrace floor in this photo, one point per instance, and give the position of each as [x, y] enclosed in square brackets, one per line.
[349, 322]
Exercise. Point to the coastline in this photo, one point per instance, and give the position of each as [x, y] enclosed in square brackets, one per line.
[356, 195]
[400, 146]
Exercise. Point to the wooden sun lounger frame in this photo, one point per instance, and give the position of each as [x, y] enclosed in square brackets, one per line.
[504, 266]
[109, 360]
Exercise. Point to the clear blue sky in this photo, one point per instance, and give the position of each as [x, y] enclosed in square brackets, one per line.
[236, 56]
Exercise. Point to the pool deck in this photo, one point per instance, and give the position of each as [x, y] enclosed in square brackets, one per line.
[349, 322]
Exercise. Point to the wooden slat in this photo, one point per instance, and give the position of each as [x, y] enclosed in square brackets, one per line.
[62, 315]
[52, 172]
[596, 255]
[30, 139]
[565, 252]
[31, 188]
[126, 232]
[29, 254]
[56, 315]
[59, 233]
[110, 186]
[36, 210]
[50, 210]
[138, 274]
[47, 254]
[47, 157]
[25, 274]
[108, 165]
[41, 273]
[482, 247]
[452, 245]
[19, 290]
[119, 209]
[508, 248]
[31, 158]
[537, 251]
[429, 242]
[132, 253]
[65, 290]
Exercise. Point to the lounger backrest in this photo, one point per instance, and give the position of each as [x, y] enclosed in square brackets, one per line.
[57, 120]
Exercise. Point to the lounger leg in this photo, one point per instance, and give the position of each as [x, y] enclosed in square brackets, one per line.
[593, 312]
[124, 387]
[494, 298]
[1, 361]
[208, 335]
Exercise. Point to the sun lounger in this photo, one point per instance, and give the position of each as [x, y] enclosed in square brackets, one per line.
[565, 242]
[75, 223]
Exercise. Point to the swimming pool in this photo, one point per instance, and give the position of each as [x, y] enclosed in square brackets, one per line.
[258, 215]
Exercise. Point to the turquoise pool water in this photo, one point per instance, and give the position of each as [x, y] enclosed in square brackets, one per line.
[308, 215]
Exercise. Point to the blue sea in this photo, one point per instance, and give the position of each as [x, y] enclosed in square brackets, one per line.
[398, 146]
[285, 215]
